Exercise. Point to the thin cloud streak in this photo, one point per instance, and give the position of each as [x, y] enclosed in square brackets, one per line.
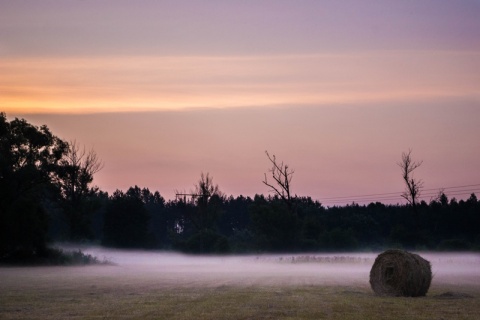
[146, 83]
[337, 89]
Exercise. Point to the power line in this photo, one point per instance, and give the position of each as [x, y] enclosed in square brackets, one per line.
[365, 195]
[398, 192]
[400, 198]
[469, 185]
[397, 196]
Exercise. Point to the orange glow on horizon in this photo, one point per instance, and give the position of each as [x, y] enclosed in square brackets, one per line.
[144, 83]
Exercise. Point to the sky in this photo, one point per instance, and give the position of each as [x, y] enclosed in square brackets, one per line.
[165, 90]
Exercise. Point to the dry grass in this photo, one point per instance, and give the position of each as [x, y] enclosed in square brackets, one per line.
[97, 293]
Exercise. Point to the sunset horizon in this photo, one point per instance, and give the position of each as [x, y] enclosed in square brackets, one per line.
[274, 159]
[163, 91]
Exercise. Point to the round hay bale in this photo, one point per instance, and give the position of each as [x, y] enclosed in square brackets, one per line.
[400, 273]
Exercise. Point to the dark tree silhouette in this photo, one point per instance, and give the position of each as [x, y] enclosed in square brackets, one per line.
[205, 196]
[126, 223]
[29, 162]
[205, 189]
[79, 166]
[282, 175]
[273, 225]
[413, 185]
[78, 198]
[203, 213]
[37, 169]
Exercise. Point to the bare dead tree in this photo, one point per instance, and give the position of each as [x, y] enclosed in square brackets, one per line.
[76, 172]
[413, 185]
[282, 175]
[79, 166]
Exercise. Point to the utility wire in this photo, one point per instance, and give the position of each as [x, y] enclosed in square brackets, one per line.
[398, 192]
[397, 196]
[425, 194]
[391, 199]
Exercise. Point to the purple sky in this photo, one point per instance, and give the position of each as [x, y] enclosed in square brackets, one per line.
[164, 90]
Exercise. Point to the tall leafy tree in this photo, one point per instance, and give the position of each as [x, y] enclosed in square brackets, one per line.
[29, 163]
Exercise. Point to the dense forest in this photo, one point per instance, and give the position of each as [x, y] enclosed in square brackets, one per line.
[47, 195]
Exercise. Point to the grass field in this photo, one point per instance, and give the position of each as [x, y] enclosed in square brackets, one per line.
[204, 291]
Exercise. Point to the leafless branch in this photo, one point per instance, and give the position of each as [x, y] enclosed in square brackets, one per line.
[282, 175]
[413, 185]
[79, 168]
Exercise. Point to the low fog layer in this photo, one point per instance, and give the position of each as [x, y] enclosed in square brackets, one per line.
[349, 269]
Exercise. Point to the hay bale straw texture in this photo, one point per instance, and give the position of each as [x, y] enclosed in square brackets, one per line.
[400, 273]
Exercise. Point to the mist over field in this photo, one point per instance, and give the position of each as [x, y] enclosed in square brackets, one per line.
[168, 285]
[344, 269]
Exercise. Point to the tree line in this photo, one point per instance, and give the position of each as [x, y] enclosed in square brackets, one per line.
[47, 195]
[139, 218]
